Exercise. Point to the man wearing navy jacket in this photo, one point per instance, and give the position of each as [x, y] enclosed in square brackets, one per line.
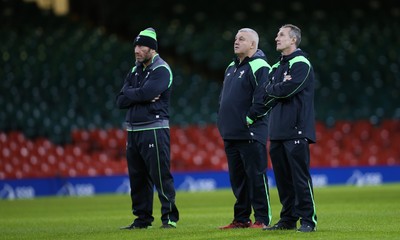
[291, 130]
[242, 123]
[146, 94]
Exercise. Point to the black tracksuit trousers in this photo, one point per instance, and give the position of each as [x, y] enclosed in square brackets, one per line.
[291, 164]
[148, 156]
[247, 162]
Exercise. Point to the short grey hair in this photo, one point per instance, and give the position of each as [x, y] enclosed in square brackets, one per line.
[253, 33]
[294, 32]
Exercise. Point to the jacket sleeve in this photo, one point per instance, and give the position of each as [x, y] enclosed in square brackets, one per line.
[299, 73]
[159, 80]
[121, 100]
[258, 109]
[269, 102]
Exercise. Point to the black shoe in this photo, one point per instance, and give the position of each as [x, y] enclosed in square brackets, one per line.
[306, 228]
[170, 224]
[167, 226]
[133, 226]
[281, 226]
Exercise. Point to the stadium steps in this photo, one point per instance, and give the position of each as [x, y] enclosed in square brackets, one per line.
[99, 152]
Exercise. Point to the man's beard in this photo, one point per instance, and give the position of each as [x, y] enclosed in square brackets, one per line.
[147, 58]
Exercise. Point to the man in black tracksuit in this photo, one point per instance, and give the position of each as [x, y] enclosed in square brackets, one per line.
[242, 123]
[146, 95]
[291, 130]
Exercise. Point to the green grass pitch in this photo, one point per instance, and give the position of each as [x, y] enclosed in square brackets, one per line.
[344, 212]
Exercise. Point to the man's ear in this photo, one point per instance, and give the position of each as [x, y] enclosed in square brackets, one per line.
[294, 39]
[253, 44]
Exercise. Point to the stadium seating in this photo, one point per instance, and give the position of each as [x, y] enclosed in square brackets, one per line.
[60, 76]
[193, 148]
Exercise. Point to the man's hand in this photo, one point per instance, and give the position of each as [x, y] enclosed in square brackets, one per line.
[287, 78]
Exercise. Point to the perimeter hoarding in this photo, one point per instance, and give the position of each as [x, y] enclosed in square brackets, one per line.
[184, 181]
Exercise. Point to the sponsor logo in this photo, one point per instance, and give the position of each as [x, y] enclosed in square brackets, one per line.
[361, 179]
[125, 187]
[69, 189]
[8, 192]
[319, 180]
[202, 184]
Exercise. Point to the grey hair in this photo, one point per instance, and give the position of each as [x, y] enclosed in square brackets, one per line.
[253, 33]
[294, 32]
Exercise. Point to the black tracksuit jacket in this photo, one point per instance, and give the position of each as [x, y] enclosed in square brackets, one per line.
[242, 96]
[293, 115]
[140, 87]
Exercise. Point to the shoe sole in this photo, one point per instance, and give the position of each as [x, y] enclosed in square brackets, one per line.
[279, 229]
[167, 226]
[133, 228]
[313, 230]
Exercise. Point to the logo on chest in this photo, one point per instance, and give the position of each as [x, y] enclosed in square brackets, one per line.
[241, 74]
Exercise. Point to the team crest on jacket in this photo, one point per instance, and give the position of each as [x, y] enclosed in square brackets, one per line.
[241, 74]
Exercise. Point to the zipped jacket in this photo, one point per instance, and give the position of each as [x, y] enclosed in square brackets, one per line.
[293, 115]
[241, 100]
[141, 88]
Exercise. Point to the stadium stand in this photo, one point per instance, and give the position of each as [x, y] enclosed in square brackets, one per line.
[59, 77]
